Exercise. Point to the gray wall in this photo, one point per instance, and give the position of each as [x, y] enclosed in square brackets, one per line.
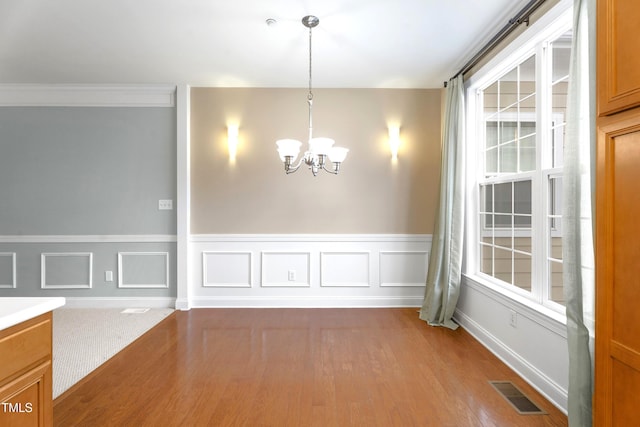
[86, 170]
[71, 172]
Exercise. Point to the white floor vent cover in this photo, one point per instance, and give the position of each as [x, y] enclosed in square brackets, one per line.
[134, 310]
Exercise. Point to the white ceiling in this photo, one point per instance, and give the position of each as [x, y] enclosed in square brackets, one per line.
[359, 43]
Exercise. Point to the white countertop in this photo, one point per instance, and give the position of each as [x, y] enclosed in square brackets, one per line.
[17, 310]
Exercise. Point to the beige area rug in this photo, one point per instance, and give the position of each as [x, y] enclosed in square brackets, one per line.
[84, 339]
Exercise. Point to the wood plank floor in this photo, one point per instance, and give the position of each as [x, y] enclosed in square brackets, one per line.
[299, 367]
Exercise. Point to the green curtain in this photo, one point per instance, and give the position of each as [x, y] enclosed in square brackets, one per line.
[443, 277]
[577, 215]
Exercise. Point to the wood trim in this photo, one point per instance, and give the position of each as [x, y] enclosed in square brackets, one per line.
[602, 397]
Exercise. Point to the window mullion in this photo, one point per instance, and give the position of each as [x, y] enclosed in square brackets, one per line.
[476, 101]
[538, 239]
[546, 84]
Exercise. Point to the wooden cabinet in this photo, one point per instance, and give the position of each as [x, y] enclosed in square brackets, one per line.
[618, 61]
[617, 353]
[25, 373]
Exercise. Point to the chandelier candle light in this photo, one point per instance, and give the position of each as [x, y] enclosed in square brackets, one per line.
[319, 148]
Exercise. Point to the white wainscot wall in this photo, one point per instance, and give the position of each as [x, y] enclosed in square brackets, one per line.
[531, 343]
[295, 270]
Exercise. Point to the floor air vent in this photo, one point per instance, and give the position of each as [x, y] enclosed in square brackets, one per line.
[516, 398]
[134, 310]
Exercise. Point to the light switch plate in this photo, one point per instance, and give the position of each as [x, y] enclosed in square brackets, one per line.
[165, 205]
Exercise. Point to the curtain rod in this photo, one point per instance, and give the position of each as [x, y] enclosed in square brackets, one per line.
[519, 18]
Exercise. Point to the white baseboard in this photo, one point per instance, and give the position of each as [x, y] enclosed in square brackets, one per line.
[302, 302]
[182, 304]
[120, 302]
[537, 379]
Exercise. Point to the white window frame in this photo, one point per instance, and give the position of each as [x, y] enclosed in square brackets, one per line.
[547, 28]
[508, 177]
[505, 231]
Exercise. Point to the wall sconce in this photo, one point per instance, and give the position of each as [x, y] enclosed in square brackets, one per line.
[394, 141]
[232, 141]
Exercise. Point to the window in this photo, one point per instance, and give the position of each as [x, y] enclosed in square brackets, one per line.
[517, 114]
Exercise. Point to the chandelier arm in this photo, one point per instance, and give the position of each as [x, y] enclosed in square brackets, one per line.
[292, 169]
[335, 171]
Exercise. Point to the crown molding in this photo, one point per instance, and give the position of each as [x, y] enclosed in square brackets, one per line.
[33, 95]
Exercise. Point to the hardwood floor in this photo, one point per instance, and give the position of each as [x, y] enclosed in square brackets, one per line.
[299, 367]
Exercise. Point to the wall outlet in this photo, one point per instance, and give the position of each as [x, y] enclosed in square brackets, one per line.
[513, 319]
[292, 275]
[108, 276]
[165, 205]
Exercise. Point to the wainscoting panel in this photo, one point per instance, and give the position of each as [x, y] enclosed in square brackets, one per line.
[143, 269]
[84, 269]
[227, 269]
[7, 270]
[345, 269]
[67, 270]
[404, 268]
[301, 270]
[286, 269]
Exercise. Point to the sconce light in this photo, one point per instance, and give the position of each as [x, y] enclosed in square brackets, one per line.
[232, 141]
[394, 141]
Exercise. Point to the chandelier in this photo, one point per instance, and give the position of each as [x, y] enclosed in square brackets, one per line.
[321, 154]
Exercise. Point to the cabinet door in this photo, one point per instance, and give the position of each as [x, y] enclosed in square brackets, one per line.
[618, 55]
[26, 401]
[25, 373]
[617, 374]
